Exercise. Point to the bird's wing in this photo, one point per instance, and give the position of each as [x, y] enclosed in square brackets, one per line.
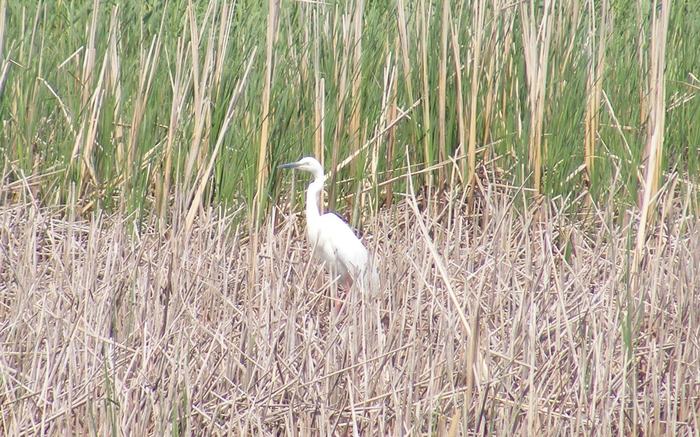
[344, 243]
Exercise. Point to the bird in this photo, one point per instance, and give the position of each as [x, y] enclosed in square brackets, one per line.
[332, 240]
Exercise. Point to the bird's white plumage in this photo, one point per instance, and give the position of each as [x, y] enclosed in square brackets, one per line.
[332, 240]
[336, 244]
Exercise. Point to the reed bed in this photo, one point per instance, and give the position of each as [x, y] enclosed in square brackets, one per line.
[518, 319]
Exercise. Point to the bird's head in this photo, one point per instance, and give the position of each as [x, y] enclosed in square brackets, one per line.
[307, 164]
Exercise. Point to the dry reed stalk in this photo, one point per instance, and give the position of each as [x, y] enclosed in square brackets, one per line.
[402, 47]
[642, 51]
[425, 76]
[178, 84]
[5, 62]
[199, 104]
[261, 174]
[342, 81]
[442, 89]
[356, 97]
[262, 163]
[115, 84]
[87, 134]
[537, 32]
[319, 95]
[477, 28]
[90, 98]
[222, 39]
[495, 53]
[388, 109]
[90, 55]
[148, 62]
[320, 130]
[461, 124]
[36, 57]
[319, 115]
[309, 18]
[653, 151]
[597, 37]
[391, 136]
[5, 66]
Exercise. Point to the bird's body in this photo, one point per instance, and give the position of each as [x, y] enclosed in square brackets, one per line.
[331, 239]
[344, 260]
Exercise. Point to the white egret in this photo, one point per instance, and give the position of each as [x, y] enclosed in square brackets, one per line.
[332, 240]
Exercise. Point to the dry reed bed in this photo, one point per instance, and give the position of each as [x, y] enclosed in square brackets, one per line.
[104, 331]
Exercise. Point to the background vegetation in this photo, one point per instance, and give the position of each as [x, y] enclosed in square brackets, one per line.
[541, 275]
[140, 106]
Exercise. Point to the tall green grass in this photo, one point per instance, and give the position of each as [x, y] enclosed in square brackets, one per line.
[127, 102]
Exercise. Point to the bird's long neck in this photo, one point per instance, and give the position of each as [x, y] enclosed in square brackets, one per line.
[312, 196]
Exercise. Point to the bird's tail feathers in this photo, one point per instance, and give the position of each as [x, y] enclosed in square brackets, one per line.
[370, 277]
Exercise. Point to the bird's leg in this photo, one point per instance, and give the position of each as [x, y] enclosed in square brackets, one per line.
[346, 282]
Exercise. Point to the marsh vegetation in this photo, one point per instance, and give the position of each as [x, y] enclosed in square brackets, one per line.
[525, 173]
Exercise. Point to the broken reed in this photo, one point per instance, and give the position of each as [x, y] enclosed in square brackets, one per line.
[132, 105]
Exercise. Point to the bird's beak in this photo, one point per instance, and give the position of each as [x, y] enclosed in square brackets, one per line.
[289, 165]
